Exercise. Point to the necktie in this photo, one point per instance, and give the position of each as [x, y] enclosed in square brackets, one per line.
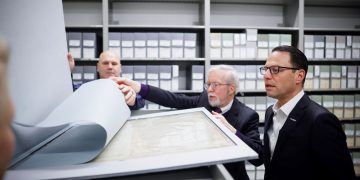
[218, 110]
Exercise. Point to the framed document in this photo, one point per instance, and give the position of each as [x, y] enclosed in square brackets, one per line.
[156, 142]
[168, 133]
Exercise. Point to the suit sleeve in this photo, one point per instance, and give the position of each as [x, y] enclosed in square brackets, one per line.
[329, 147]
[169, 99]
[139, 103]
[250, 135]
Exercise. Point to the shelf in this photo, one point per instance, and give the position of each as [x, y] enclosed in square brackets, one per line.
[81, 0]
[336, 3]
[163, 59]
[147, 59]
[174, 1]
[332, 91]
[156, 27]
[226, 61]
[339, 31]
[85, 63]
[277, 2]
[237, 61]
[259, 28]
[86, 59]
[262, 62]
[273, 13]
[198, 61]
[82, 13]
[137, 61]
[334, 61]
[156, 13]
[336, 15]
[84, 27]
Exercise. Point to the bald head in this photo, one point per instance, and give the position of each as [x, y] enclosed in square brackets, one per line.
[109, 65]
[108, 54]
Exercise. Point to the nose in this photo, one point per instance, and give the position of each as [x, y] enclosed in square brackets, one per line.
[210, 89]
[267, 74]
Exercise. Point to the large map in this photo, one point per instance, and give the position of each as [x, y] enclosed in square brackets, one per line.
[163, 135]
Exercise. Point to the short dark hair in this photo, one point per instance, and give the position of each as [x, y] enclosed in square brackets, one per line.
[297, 58]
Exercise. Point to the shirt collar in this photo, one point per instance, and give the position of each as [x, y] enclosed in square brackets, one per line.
[289, 106]
[227, 107]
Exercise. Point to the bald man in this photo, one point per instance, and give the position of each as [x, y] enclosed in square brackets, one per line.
[109, 66]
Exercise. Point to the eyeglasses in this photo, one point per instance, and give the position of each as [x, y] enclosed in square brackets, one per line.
[274, 69]
[213, 85]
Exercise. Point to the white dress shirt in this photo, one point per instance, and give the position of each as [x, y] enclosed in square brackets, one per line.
[279, 118]
[227, 107]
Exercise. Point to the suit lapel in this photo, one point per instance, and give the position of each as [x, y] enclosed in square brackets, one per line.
[232, 114]
[268, 118]
[294, 117]
[268, 122]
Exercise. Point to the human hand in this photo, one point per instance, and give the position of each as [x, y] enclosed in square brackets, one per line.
[223, 121]
[71, 61]
[129, 94]
[136, 86]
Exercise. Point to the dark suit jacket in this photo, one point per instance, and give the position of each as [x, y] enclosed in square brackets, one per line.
[310, 145]
[241, 117]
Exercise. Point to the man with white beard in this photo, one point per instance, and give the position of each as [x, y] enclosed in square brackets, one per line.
[218, 98]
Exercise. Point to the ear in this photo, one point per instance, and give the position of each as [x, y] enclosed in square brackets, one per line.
[97, 67]
[232, 89]
[300, 76]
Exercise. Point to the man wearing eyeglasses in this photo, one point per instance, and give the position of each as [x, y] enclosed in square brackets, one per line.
[302, 140]
[218, 98]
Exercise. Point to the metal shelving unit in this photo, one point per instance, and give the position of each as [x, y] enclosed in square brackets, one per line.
[295, 17]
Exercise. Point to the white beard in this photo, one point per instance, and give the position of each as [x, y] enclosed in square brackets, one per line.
[215, 103]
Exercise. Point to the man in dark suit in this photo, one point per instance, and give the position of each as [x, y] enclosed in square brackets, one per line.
[109, 66]
[302, 140]
[221, 88]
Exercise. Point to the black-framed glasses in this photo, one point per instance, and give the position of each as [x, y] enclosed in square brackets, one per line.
[213, 85]
[274, 69]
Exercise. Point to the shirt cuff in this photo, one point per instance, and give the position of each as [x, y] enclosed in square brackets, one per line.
[144, 90]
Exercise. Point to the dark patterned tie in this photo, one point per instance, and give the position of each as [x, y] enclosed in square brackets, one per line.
[218, 110]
